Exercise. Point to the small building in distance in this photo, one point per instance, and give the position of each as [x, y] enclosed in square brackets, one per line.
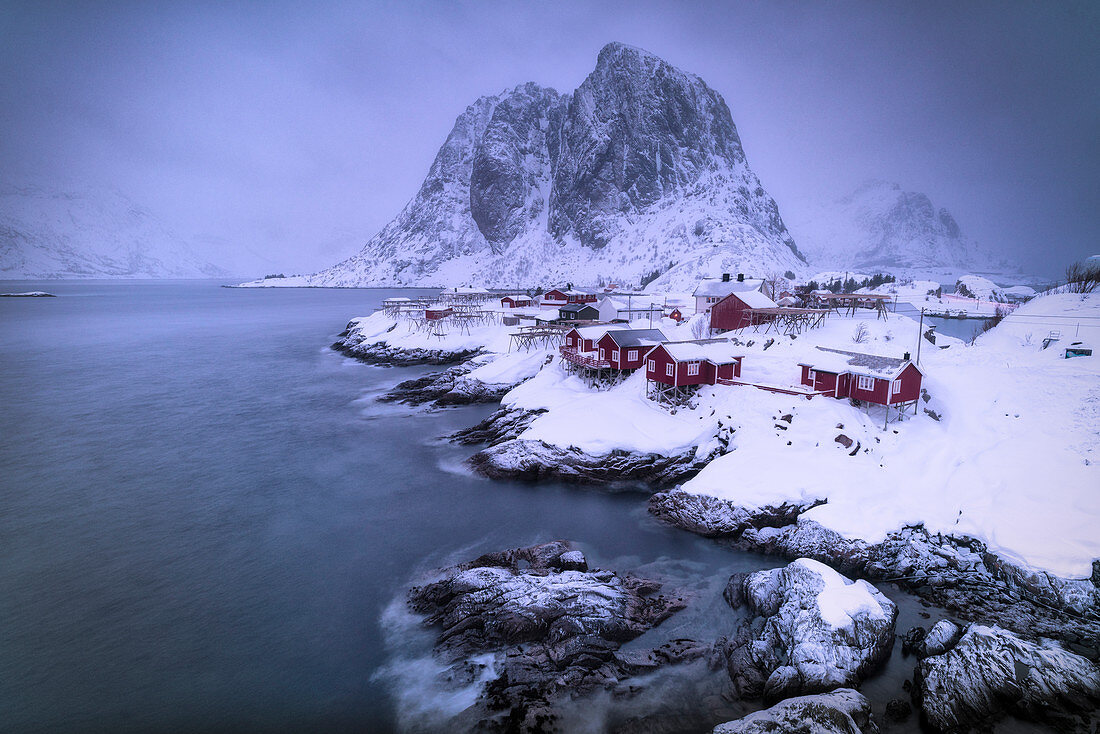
[622, 309]
[625, 349]
[559, 297]
[712, 290]
[578, 312]
[516, 301]
[735, 310]
[435, 314]
[870, 378]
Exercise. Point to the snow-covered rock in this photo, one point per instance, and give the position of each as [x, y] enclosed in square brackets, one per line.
[955, 573]
[991, 672]
[484, 378]
[554, 625]
[28, 294]
[814, 631]
[922, 643]
[637, 171]
[93, 234]
[533, 460]
[367, 341]
[843, 711]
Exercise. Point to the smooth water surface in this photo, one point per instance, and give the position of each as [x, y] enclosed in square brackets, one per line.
[204, 513]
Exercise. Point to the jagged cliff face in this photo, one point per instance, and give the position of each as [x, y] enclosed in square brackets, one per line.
[879, 226]
[639, 170]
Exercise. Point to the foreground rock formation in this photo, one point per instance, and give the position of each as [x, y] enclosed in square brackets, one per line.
[843, 711]
[813, 630]
[991, 672]
[554, 625]
[958, 574]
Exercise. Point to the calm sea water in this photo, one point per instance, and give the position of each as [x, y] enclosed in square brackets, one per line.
[207, 522]
[204, 514]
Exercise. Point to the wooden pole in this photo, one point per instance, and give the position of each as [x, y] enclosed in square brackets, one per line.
[920, 333]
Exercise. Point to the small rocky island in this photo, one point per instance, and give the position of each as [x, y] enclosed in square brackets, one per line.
[28, 294]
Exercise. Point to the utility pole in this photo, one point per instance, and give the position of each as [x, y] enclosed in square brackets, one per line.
[920, 333]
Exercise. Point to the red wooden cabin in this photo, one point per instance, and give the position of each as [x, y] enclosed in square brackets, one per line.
[676, 315]
[701, 362]
[865, 377]
[516, 301]
[735, 310]
[625, 349]
[583, 338]
[558, 297]
[435, 314]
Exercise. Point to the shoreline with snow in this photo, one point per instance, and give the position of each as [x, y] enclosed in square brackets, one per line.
[972, 501]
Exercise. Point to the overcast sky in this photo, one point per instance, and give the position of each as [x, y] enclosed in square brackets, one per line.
[299, 129]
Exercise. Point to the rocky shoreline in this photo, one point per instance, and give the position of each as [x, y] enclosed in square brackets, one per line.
[509, 457]
[958, 574]
[351, 343]
[553, 626]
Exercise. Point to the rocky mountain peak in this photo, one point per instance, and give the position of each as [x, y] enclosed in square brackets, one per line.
[640, 169]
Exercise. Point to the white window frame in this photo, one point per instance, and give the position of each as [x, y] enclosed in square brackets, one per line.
[811, 375]
[651, 366]
[865, 383]
[614, 355]
[669, 368]
[895, 387]
[693, 369]
[601, 354]
[632, 355]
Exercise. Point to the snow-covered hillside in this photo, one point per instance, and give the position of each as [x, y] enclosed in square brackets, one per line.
[95, 234]
[639, 169]
[882, 227]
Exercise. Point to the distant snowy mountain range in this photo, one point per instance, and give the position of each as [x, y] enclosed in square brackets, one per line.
[96, 234]
[882, 227]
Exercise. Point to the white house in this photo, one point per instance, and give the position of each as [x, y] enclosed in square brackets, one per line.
[623, 309]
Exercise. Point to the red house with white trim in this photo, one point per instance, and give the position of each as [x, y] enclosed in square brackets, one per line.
[582, 339]
[558, 297]
[866, 377]
[516, 301]
[625, 349]
[702, 362]
[735, 310]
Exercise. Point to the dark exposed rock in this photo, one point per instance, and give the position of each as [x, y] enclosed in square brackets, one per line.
[843, 711]
[991, 672]
[529, 460]
[556, 628]
[955, 573]
[503, 425]
[352, 343]
[450, 387]
[844, 441]
[814, 631]
[898, 709]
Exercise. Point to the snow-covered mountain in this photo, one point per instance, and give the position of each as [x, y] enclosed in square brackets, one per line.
[638, 170]
[96, 234]
[880, 226]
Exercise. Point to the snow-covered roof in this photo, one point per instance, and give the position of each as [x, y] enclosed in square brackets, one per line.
[788, 301]
[517, 298]
[711, 287]
[755, 299]
[857, 363]
[598, 330]
[574, 307]
[638, 337]
[717, 351]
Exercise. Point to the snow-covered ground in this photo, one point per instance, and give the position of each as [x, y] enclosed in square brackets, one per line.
[1012, 460]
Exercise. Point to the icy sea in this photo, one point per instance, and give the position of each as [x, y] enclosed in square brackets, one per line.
[207, 522]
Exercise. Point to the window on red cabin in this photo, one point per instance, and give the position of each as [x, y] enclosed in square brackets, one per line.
[601, 354]
[668, 369]
[632, 355]
[896, 387]
[693, 369]
[652, 366]
[866, 383]
[811, 375]
[614, 355]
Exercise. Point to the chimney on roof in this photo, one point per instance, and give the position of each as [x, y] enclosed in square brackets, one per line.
[725, 277]
[740, 277]
[906, 356]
